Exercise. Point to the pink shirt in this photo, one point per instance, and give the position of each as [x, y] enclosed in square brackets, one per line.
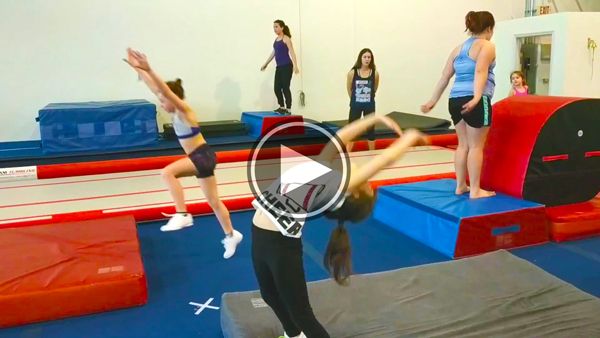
[523, 93]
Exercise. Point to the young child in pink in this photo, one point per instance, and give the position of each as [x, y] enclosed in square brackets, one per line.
[519, 85]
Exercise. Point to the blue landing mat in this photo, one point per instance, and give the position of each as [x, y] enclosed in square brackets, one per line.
[433, 214]
[187, 266]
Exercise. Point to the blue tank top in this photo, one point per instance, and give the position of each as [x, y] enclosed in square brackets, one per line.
[183, 129]
[282, 53]
[464, 69]
[363, 91]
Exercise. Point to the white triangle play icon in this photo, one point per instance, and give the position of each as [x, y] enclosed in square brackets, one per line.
[297, 169]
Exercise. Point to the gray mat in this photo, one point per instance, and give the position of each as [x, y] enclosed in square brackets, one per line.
[422, 122]
[492, 295]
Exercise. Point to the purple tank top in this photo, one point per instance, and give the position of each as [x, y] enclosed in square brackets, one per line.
[282, 53]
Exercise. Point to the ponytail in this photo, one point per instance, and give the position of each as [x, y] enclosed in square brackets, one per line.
[337, 259]
[338, 255]
[471, 23]
[286, 28]
[176, 88]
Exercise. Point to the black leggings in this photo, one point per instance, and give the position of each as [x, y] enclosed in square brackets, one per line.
[283, 77]
[279, 270]
[357, 113]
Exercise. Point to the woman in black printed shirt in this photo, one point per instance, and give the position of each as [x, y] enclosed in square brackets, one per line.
[276, 243]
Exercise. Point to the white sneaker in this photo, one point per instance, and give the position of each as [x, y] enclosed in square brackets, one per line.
[230, 243]
[301, 335]
[178, 222]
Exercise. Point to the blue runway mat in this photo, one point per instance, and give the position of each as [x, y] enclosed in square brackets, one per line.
[187, 266]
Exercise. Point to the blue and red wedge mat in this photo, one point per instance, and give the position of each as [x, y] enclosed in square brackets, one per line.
[430, 212]
[259, 123]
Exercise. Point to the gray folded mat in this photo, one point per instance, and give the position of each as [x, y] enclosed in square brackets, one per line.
[492, 295]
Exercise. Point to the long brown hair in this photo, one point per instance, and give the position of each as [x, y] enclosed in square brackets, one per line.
[338, 255]
[358, 63]
[286, 29]
[478, 22]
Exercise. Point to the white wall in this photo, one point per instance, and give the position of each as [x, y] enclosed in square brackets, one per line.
[410, 40]
[507, 52]
[578, 68]
[570, 65]
[590, 5]
[571, 5]
[71, 50]
[560, 6]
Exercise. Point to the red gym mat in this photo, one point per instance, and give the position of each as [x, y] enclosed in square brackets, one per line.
[149, 163]
[552, 158]
[67, 269]
[574, 221]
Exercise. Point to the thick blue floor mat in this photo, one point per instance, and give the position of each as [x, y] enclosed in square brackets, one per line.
[575, 262]
[187, 266]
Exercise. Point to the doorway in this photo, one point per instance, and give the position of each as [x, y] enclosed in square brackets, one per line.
[535, 55]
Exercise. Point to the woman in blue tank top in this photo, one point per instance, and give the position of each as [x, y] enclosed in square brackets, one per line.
[200, 160]
[362, 82]
[472, 63]
[285, 58]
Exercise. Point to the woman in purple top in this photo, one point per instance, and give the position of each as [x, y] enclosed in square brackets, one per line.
[285, 58]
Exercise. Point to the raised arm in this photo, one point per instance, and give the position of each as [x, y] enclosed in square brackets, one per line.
[140, 61]
[352, 131]
[290, 46]
[269, 59]
[142, 75]
[391, 154]
[447, 74]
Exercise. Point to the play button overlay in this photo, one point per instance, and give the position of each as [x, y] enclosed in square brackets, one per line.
[298, 170]
[298, 181]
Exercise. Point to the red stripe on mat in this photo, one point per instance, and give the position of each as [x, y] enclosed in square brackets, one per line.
[552, 158]
[201, 208]
[592, 153]
[151, 163]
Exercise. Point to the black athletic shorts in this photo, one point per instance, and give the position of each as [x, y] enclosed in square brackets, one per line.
[205, 161]
[480, 116]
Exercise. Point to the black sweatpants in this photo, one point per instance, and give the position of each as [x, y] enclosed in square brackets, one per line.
[279, 269]
[283, 77]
